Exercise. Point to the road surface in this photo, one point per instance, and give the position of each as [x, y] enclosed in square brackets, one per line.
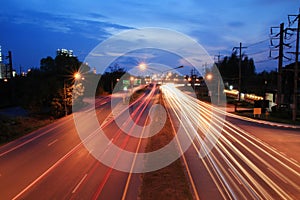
[234, 159]
[225, 158]
[53, 163]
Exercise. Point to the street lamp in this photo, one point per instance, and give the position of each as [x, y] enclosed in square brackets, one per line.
[142, 66]
[76, 76]
[209, 77]
[181, 66]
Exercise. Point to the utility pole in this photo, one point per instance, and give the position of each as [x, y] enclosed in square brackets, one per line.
[218, 56]
[295, 91]
[240, 72]
[193, 78]
[295, 100]
[280, 59]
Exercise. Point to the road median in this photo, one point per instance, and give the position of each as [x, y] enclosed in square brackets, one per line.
[169, 182]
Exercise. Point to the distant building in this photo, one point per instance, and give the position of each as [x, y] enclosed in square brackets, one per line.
[3, 68]
[3, 71]
[6, 70]
[65, 52]
[0, 55]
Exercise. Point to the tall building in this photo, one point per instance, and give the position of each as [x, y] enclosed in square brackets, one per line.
[3, 71]
[6, 70]
[65, 52]
[2, 67]
[0, 55]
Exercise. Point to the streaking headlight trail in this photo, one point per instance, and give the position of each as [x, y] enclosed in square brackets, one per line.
[149, 44]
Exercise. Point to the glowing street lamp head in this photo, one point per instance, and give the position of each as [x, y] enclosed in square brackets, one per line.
[77, 76]
[142, 66]
[209, 76]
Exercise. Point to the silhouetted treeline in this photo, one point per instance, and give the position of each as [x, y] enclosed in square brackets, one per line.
[229, 70]
[49, 89]
[251, 81]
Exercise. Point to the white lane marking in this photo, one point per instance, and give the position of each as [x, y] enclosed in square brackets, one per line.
[51, 143]
[80, 182]
[48, 170]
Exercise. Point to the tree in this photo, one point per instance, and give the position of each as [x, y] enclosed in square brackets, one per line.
[229, 70]
[44, 89]
[47, 64]
[78, 92]
[109, 79]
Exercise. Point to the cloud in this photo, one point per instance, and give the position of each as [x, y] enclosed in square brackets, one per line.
[217, 25]
[93, 25]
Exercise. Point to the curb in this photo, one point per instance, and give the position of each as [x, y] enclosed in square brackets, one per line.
[281, 125]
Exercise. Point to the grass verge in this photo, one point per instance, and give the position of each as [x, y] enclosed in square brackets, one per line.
[277, 117]
[12, 128]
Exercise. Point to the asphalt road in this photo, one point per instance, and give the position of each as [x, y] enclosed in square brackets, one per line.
[226, 157]
[232, 158]
[53, 163]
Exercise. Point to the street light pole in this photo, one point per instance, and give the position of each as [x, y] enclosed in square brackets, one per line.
[65, 98]
[209, 77]
[143, 67]
[76, 76]
[181, 66]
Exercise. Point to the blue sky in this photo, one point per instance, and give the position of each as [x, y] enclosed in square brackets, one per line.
[34, 29]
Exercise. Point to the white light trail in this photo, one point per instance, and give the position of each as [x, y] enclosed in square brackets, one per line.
[240, 150]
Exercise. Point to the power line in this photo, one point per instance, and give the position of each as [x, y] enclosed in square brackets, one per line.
[259, 52]
[257, 43]
[262, 61]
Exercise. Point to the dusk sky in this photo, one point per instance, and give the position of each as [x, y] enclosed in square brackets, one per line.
[34, 29]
